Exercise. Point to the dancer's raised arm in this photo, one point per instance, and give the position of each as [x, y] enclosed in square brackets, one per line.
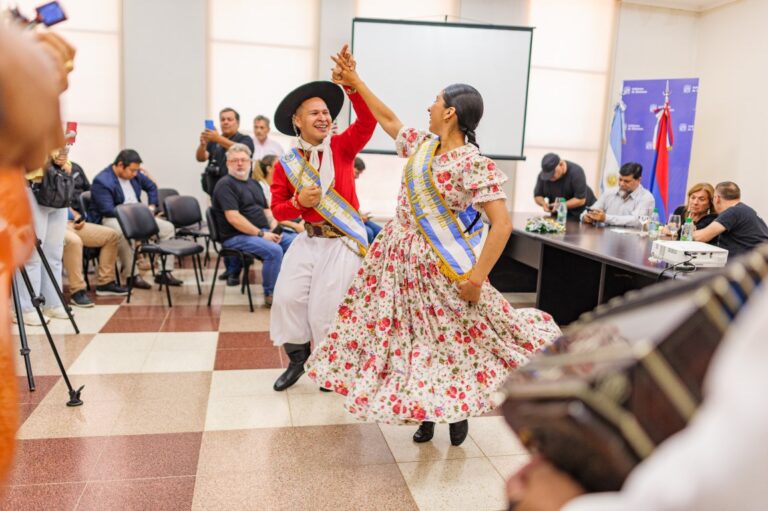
[345, 74]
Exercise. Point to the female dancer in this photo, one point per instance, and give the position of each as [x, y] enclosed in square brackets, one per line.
[422, 337]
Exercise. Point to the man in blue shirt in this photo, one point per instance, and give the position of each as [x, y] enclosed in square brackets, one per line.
[122, 183]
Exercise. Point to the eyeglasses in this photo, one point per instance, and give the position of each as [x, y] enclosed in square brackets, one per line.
[240, 160]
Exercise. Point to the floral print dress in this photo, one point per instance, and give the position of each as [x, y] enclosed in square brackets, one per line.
[404, 348]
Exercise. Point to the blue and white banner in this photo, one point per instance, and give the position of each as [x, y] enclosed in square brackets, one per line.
[617, 138]
[643, 100]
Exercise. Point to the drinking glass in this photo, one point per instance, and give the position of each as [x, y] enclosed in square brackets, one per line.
[673, 226]
[644, 217]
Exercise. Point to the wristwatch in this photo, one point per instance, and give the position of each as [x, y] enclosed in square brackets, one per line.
[260, 234]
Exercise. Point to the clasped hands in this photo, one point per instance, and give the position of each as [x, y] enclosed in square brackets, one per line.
[344, 72]
[594, 216]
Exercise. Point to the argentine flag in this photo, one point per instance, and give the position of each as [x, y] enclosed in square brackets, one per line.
[618, 136]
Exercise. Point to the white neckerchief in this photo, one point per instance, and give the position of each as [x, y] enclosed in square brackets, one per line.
[326, 169]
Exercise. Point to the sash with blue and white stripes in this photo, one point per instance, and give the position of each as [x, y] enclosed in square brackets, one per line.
[455, 238]
[333, 207]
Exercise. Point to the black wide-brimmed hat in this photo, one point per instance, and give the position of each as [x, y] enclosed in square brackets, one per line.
[327, 91]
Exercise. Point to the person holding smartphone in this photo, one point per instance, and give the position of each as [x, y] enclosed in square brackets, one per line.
[213, 146]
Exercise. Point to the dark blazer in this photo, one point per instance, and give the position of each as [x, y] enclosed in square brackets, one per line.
[106, 193]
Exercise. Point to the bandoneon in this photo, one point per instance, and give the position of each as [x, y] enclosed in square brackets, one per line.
[628, 375]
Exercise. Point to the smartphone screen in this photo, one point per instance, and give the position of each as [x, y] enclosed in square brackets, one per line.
[50, 14]
[209, 124]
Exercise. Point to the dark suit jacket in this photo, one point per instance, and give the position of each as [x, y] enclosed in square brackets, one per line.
[106, 193]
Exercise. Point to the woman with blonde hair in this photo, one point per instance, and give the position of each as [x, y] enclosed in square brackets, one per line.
[699, 205]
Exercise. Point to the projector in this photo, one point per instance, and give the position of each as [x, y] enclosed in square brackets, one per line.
[699, 254]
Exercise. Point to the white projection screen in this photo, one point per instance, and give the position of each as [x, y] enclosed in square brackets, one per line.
[407, 63]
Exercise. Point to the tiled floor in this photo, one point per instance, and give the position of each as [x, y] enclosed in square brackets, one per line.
[180, 414]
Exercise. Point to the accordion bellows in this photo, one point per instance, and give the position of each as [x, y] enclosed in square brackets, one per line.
[628, 375]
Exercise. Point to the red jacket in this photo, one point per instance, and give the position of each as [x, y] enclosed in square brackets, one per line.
[345, 147]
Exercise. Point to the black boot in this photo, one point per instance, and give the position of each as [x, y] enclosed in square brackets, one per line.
[425, 432]
[298, 354]
[458, 431]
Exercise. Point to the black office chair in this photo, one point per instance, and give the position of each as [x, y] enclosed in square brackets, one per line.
[90, 254]
[183, 211]
[246, 259]
[138, 225]
[162, 194]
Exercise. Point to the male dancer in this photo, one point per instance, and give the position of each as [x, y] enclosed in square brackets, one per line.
[316, 181]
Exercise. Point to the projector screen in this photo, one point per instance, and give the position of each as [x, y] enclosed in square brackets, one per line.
[406, 64]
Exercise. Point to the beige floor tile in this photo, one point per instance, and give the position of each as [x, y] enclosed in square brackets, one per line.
[176, 386]
[123, 342]
[282, 449]
[55, 420]
[182, 352]
[494, 436]
[239, 412]
[400, 441]
[89, 321]
[303, 386]
[238, 318]
[179, 361]
[41, 355]
[98, 387]
[509, 465]
[186, 414]
[460, 485]
[330, 488]
[319, 409]
[245, 382]
[105, 362]
[233, 296]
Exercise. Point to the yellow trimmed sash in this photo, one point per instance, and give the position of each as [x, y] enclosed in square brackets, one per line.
[455, 238]
[333, 207]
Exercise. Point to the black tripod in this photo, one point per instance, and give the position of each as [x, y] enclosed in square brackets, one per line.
[37, 302]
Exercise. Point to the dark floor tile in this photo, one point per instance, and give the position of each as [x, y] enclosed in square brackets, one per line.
[244, 340]
[43, 385]
[107, 300]
[141, 312]
[55, 460]
[194, 311]
[167, 494]
[256, 358]
[125, 325]
[41, 497]
[181, 324]
[148, 456]
[25, 410]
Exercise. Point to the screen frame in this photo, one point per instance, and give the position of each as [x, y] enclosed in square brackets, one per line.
[522, 156]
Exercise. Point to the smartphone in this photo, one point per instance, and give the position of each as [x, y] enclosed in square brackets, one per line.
[209, 124]
[278, 230]
[70, 133]
[50, 14]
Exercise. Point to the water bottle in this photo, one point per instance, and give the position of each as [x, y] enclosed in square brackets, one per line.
[686, 233]
[562, 212]
[654, 225]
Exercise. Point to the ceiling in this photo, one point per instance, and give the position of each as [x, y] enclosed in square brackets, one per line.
[687, 5]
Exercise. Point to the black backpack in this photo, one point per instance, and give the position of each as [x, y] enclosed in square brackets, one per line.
[55, 190]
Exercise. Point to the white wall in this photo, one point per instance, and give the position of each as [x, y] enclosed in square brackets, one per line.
[164, 88]
[731, 131]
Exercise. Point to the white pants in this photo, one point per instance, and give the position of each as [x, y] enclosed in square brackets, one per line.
[315, 275]
[50, 226]
[125, 249]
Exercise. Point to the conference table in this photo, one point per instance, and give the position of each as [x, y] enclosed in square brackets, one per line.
[574, 272]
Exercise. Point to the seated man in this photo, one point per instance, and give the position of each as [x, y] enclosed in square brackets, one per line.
[624, 205]
[562, 178]
[81, 233]
[372, 228]
[122, 183]
[239, 212]
[738, 226]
